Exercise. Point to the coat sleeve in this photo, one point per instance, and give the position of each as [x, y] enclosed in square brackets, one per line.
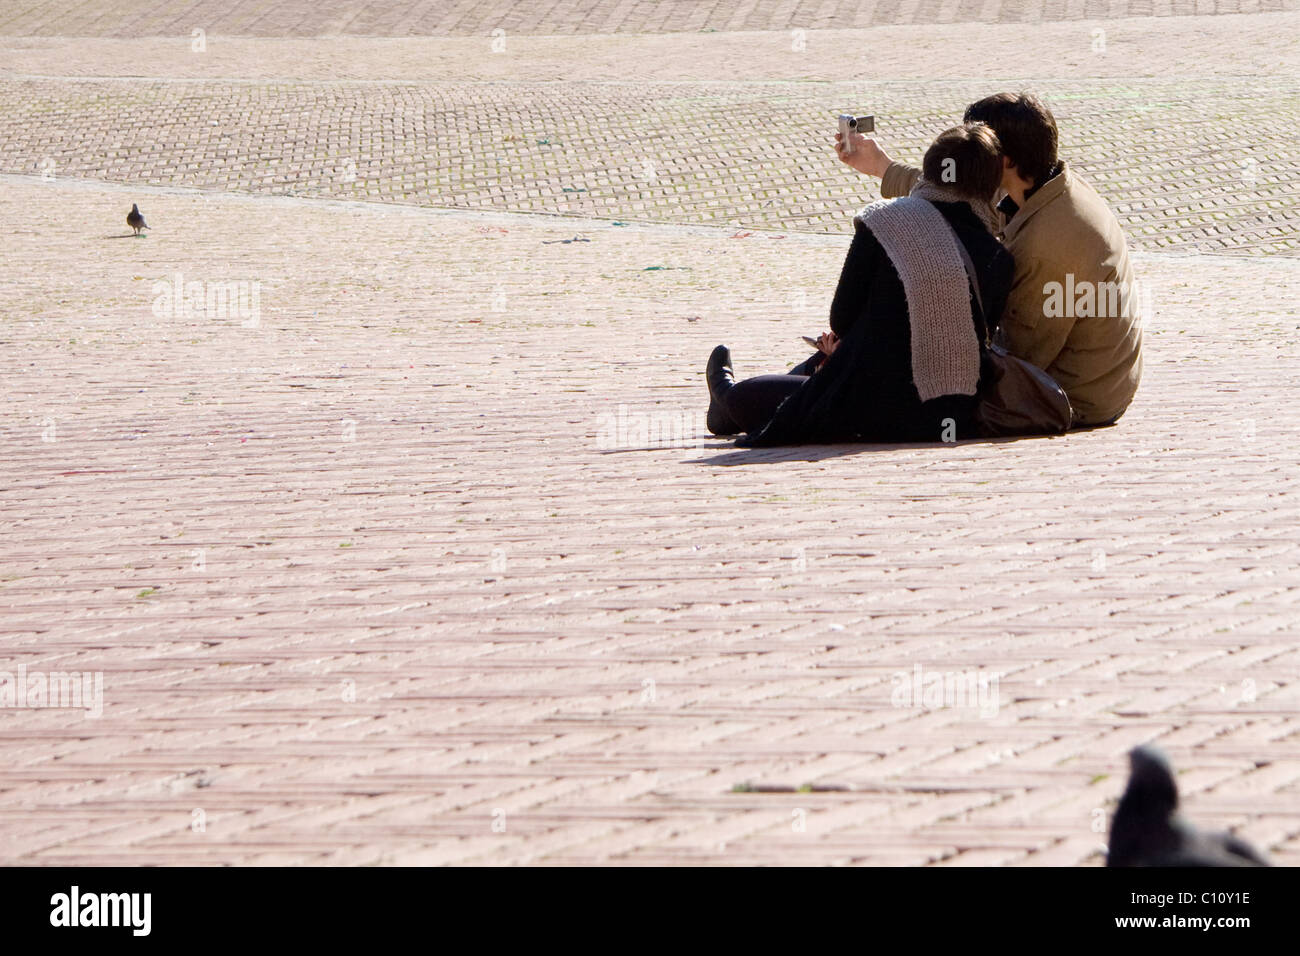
[854, 289]
[898, 180]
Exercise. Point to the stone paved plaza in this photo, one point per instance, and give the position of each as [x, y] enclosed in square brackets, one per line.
[425, 556]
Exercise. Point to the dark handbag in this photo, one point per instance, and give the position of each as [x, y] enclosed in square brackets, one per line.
[1015, 397]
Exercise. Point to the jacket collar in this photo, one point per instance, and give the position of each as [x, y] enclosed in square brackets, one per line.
[1050, 190]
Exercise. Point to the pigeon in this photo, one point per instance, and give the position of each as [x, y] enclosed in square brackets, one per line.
[135, 220]
[1147, 830]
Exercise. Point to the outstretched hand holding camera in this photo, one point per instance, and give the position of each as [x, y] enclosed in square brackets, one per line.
[862, 153]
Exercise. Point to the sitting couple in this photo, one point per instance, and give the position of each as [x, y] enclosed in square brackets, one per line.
[931, 278]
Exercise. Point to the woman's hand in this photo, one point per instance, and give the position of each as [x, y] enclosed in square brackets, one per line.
[867, 156]
[826, 343]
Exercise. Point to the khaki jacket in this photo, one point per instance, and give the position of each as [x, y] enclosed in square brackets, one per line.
[1074, 308]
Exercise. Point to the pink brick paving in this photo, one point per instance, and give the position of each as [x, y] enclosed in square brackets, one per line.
[498, 589]
[365, 579]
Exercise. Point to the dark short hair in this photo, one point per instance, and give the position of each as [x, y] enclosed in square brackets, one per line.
[1025, 127]
[966, 158]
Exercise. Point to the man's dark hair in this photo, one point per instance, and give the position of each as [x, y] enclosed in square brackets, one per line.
[966, 158]
[1025, 127]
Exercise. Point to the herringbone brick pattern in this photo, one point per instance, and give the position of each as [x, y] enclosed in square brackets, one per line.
[379, 573]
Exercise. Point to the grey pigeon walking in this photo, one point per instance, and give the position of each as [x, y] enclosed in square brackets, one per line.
[135, 220]
[1147, 830]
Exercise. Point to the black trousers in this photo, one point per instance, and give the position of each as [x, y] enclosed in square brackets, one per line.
[752, 403]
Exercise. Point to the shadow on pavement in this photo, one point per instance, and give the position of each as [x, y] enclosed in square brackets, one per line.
[762, 456]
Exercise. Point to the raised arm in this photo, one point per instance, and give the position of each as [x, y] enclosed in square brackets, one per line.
[868, 158]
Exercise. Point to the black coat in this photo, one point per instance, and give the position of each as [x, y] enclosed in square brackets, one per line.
[864, 390]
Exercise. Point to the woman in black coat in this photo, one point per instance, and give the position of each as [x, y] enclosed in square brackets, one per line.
[865, 390]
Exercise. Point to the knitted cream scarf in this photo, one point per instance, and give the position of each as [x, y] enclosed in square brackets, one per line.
[923, 248]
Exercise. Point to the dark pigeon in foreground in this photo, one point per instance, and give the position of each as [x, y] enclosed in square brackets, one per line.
[135, 220]
[1147, 830]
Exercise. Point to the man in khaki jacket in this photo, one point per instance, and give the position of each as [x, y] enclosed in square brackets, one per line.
[1074, 307]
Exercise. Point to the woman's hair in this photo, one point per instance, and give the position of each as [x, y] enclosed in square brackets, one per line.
[967, 159]
[1026, 129]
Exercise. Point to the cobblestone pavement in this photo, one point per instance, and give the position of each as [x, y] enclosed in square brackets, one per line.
[753, 157]
[424, 555]
[480, 17]
[1204, 161]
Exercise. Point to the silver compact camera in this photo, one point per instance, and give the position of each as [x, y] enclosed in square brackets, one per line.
[855, 124]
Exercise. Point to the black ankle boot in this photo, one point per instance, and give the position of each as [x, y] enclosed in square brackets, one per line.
[719, 377]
